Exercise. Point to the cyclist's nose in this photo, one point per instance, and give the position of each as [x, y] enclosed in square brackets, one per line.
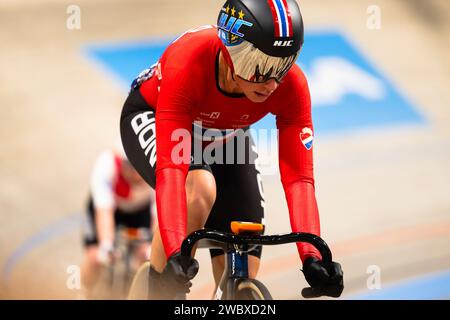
[271, 85]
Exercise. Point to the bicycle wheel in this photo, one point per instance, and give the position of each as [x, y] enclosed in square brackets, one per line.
[139, 286]
[251, 289]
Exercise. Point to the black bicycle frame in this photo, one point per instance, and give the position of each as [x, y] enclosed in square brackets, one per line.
[236, 268]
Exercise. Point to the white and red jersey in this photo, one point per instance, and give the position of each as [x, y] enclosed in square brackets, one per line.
[110, 189]
[185, 89]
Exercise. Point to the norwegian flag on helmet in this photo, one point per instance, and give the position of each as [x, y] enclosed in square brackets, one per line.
[281, 18]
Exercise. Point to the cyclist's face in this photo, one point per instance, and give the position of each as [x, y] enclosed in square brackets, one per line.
[257, 92]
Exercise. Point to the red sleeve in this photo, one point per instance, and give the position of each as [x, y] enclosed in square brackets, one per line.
[296, 161]
[173, 128]
[175, 91]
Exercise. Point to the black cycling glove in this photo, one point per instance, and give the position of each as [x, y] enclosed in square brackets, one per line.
[175, 280]
[325, 279]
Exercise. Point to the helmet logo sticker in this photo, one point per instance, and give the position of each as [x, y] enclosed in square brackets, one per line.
[306, 136]
[229, 25]
[280, 43]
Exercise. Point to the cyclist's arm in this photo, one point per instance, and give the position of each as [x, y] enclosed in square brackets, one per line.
[104, 218]
[172, 118]
[296, 165]
[103, 197]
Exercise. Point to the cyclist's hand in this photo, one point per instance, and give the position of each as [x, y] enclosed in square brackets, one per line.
[105, 254]
[324, 279]
[178, 274]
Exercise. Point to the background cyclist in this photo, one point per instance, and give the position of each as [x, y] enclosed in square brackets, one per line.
[118, 196]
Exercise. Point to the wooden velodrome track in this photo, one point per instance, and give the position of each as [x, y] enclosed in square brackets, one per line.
[384, 195]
